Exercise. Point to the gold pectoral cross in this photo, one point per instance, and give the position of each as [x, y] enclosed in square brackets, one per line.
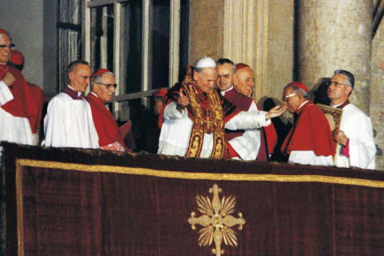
[208, 122]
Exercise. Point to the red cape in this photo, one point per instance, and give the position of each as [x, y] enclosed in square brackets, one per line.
[39, 98]
[105, 123]
[310, 132]
[23, 104]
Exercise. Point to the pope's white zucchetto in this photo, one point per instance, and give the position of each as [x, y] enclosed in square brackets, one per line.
[206, 62]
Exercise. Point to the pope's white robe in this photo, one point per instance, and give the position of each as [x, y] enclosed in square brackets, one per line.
[247, 146]
[357, 126]
[177, 128]
[69, 123]
[12, 128]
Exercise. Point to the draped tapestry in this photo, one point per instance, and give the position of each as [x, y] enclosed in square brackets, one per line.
[92, 202]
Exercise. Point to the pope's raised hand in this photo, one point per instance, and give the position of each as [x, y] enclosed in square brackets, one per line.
[183, 100]
[275, 112]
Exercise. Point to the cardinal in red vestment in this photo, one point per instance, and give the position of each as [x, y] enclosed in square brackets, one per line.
[18, 109]
[17, 60]
[310, 140]
[102, 90]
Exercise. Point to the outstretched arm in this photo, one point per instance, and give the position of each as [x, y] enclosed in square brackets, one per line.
[276, 111]
[253, 119]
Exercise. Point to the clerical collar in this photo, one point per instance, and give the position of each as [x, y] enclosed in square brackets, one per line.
[72, 93]
[341, 106]
[223, 92]
[95, 98]
[302, 104]
[4, 66]
[94, 94]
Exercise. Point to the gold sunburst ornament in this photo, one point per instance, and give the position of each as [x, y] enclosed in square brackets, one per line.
[216, 220]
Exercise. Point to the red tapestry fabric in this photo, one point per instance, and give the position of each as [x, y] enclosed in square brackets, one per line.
[82, 213]
[92, 202]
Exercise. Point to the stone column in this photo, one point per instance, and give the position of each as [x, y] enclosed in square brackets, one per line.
[205, 29]
[335, 35]
[259, 33]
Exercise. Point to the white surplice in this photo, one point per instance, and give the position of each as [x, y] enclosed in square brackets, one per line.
[177, 128]
[69, 123]
[357, 126]
[247, 145]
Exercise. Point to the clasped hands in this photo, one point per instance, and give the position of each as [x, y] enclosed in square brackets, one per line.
[9, 79]
[340, 137]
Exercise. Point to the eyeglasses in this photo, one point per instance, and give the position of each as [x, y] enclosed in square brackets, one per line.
[289, 96]
[109, 86]
[11, 46]
[84, 77]
[227, 76]
[336, 84]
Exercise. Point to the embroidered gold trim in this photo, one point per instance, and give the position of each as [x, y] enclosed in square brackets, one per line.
[197, 135]
[218, 126]
[214, 120]
[216, 220]
[201, 176]
[20, 208]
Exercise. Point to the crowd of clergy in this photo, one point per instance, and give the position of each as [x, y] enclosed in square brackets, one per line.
[210, 114]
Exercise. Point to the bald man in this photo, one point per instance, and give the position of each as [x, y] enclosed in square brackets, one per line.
[244, 82]
[242, 144]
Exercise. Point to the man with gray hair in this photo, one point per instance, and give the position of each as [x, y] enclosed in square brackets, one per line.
[355, 136]
[69, 122]
[310, 140]
[195, 116]
[103, 88]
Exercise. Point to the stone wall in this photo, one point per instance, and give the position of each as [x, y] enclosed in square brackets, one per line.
[377, 92]
[32, 25]
[24, 22]
[280, 55]
[265, 26]
[336, 35]
[205, 29]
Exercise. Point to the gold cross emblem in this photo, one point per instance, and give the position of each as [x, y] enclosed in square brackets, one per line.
[216, 220]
